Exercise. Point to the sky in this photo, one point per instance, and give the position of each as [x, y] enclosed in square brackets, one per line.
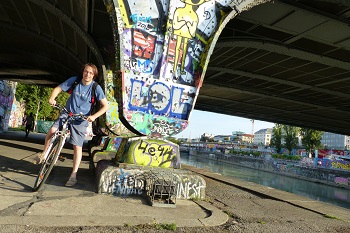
[201, 122]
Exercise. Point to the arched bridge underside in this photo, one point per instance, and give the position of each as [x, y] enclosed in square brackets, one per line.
[286, 61]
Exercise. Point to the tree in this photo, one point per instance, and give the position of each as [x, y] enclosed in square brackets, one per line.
[174, 140]
[276, 140]
[311, 139]
[290, 137]
[37, 100]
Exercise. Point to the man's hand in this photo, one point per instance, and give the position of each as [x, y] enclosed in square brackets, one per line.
[52, 102]
[91, 119]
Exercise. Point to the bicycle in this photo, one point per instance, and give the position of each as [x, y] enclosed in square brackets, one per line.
[52, 153]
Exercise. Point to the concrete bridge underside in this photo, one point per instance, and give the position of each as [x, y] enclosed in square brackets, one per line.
[286, 62]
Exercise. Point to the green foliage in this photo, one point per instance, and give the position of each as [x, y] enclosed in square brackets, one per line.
[311, 138]
[276, 140]
[290, 137]
[170, 226]
[38, 97]
[174, 140]
[286, 157]
[241, 152]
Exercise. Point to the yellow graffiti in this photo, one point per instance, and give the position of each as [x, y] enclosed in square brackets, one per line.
[345, 166]
[185, 22]
[152, 154]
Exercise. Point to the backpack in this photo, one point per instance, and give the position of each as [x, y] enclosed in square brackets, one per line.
[96, 129]
[93, 91]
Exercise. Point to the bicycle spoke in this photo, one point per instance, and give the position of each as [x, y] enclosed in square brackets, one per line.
[48, 163]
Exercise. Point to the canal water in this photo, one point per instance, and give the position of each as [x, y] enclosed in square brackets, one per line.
[320, 192]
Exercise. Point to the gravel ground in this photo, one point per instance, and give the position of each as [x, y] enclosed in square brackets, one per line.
[247, 212]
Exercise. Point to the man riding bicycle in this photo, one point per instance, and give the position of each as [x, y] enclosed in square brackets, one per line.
[78, 102]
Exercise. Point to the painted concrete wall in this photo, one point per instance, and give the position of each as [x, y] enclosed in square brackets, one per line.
[162, 51]
[152, 152]
[7, 93]
[131, 180]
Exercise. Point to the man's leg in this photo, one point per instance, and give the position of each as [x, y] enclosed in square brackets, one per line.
[40, 156]
[48, 137]
[78, 154]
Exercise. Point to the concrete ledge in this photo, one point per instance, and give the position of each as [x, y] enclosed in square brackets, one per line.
[127, 179]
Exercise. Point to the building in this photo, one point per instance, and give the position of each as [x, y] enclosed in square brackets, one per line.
[263, 137]
[222, 138]
[335, 141]
[246, 138]
[242, 138]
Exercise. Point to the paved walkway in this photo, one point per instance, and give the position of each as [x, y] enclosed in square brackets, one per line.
[55, 204]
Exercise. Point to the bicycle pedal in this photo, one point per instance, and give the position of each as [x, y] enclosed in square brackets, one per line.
[61, 158]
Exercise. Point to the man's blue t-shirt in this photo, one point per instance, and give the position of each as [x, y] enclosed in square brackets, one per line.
[80, 99]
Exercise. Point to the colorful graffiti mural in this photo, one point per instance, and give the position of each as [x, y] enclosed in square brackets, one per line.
[133, 181]
[163, 48]
[152, 152]
[7, 93]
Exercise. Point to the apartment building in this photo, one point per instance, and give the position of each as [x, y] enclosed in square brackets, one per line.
[335, 141]
[263, 137]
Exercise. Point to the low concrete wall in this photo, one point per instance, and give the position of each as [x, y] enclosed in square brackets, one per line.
[127, 179]
[328, 176]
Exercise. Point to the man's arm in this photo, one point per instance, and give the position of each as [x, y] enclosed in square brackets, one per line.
[57, 90]
[101, 111]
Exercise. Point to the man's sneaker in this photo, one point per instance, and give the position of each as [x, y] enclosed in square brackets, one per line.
[38, 158]
[71, 182]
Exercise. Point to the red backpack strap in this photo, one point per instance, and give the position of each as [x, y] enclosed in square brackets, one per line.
[93, 93]
[76, 82]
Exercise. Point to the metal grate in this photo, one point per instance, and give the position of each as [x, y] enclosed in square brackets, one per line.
[161, 188]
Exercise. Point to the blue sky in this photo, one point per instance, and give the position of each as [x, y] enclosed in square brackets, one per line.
[218, 124]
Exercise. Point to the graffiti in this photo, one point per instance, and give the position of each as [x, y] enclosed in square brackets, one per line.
[165, 48]
[143, 44]
[163, 128]
[121, 182]
[159, 99]
[145, 66]
[184, 26]
[136, 18]
[127, 184]
[340, 164]
[341, 181]
[7, 92]
[190, 187]
[152, 154]
[114, 144]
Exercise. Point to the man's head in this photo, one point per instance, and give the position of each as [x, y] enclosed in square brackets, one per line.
[90, 69]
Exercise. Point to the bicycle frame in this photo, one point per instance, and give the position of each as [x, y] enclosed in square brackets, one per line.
[53, 151]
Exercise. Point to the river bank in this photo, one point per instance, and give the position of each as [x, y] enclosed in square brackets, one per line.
[333, 177]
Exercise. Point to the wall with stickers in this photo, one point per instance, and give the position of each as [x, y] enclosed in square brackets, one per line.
[7, 93]
[163, 48]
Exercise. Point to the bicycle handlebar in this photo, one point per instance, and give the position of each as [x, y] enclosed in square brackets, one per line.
[79, 115]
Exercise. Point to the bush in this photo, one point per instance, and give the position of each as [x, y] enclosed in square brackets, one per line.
[286, 157]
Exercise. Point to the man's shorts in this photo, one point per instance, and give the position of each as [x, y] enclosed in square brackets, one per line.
[77, 129]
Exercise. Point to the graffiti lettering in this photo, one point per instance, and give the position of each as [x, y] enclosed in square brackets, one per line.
[164, 128]
[160, 100]
[144, 26]
[120, 182]
[155, 149]
[188, 190]
[135, 18]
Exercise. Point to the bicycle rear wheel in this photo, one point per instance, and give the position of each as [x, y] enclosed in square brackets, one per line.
[47, 164]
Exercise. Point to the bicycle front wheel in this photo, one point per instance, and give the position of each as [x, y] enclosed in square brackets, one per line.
[47, 164]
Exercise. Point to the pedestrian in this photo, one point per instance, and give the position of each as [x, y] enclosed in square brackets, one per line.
[29, 123]
[78, 102]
